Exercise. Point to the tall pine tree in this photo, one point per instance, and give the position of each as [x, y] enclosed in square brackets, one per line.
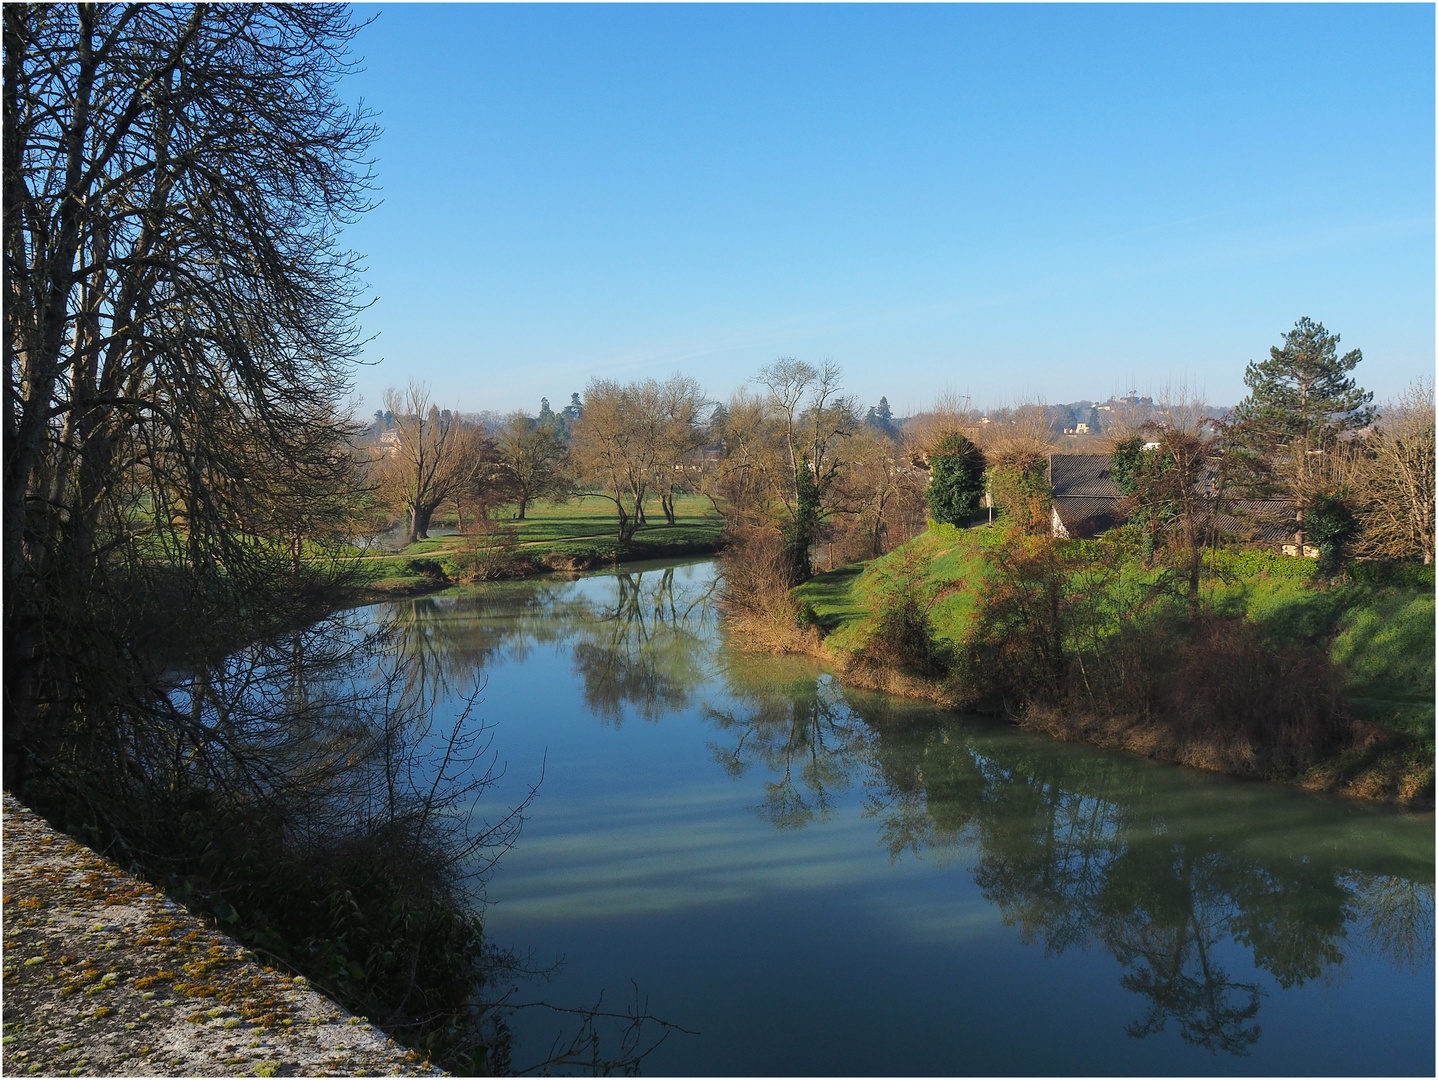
[1303, 392]
[1299, 401]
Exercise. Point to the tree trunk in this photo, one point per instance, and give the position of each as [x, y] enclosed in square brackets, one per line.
[419, 523]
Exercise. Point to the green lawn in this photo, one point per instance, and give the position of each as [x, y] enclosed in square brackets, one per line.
[579, 529]
[843, 599]
[1380, 633]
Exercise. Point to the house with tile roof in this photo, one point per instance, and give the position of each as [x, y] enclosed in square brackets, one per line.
[1087, 503]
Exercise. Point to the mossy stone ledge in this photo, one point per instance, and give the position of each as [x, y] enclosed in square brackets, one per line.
[104, 976]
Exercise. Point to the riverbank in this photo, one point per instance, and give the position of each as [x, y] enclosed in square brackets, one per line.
[1345, 670]
[106, 977]
[552, 538]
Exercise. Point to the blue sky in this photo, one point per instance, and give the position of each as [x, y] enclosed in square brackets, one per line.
[1064, 201]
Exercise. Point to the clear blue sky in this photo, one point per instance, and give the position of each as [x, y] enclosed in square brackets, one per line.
[999, 200]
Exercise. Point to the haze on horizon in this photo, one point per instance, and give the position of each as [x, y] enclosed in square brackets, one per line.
[1000, 201]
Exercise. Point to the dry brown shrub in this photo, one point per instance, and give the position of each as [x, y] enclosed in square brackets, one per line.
[1240, 703]
[758, 574]
[571, 564]
[489, 551]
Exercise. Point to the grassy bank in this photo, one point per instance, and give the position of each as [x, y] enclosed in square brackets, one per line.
[575, 535]
[1276, 675]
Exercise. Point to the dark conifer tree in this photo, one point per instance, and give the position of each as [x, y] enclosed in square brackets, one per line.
[1304, 390]
[957, 481]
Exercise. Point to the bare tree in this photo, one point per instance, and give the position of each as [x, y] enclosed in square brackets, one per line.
[1397, 496]
[432, 462]
[753, 462]
[814, 421]
[615, 446]
[179, 320]
[880, 495]
[814, 417]
[536, 457]
[679, 402]
[951, 414]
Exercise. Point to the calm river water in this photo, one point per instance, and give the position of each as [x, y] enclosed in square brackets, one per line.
[825, 881]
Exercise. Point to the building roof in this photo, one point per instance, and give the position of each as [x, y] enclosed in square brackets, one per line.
[1082, 475]
[1268, 519]
[1087, 503]
[1254, 520]
[1086, 516]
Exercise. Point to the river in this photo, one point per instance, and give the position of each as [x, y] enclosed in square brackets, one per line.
[820, 880]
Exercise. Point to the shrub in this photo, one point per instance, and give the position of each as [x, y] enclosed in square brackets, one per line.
[956, 481]
[1066, 636]
[430, 568]
[1398, 575]
[288, 832]
[1240, 702]
[902, 634]
[1014, 651]
[488, 552]
[1253, 563]
[759, 573]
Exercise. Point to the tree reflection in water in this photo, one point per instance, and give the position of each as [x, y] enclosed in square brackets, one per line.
[642, 648]
[1177, 877]
[799, 728]
[640, 643]
[1078, 848]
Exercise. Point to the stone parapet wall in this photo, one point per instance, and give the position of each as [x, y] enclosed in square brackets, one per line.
[103, 976]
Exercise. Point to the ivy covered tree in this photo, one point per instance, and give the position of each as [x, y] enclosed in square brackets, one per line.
[1332, 525]
[956, 483]
[1018, 481]
[799, 532]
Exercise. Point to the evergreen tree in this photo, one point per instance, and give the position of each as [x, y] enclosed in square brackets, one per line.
[957, 481]
[1299, 400]
[881, 417]
[1303, 392]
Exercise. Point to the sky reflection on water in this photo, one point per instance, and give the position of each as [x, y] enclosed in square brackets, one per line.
[912, 890]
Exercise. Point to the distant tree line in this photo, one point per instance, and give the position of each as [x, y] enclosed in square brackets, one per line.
[795, 457]
[795, 465]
